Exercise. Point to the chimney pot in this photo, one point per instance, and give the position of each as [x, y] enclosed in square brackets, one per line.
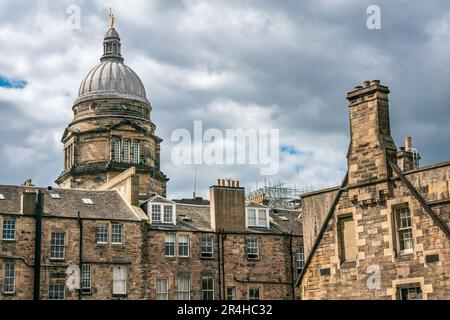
[375, 82]
[358, 87]
[218, 182]
[366, 83]
[237, 184]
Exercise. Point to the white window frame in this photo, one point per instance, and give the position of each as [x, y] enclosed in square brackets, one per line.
[162, 218]
[183, 291]
[7, 231]
[9, 280]
[231, 296]
[126, 146]
[86, 278]
[119, 275]
[183, 245]
[168, 214]
[208, 254]
[162, 291]
[114, 233]
[174, 244]
[208, 290]
[138, 153]
[258, 212]
[400, 229]
[247, 248]
[56, 247]
[300, 258]
[104, 231]
[54, 285]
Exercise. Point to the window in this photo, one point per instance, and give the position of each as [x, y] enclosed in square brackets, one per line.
[126, 150]
[2, 196]
[251, 217]
[86, 283]
[183, 246]
[254, 294]
[102, 233]
[403, 223]
[252, 246]
[169, 249]
[162, 290]
[87, 201]
[347, 239]
[156, 213]
[413, 292]
[57, 246]
[262, 221]
[56, 291]
[300, 259]
[116, 233]
[119, 280]
[135, 151]
[184, 288]
[208, 288]
[206, 246]
[115, 153]
[231, 293]
[9, 277]
[9, 230]
[257, 217]
[168, 217]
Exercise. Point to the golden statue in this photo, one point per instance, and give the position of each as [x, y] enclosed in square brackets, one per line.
[112, 19]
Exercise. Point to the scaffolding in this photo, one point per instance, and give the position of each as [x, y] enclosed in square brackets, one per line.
[278, 195]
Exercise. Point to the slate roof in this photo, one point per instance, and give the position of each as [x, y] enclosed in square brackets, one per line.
[194, 217]
[106, 204]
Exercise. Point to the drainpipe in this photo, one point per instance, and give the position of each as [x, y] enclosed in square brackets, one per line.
[291, 252]
[80, 224]
[218, 262]
[37, 245]
[222, 237]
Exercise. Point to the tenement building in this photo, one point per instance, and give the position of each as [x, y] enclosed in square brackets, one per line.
[384, 233]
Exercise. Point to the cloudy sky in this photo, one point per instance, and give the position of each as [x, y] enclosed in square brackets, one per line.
[283, 65]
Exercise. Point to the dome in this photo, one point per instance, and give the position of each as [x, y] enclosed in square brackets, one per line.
[111, 78]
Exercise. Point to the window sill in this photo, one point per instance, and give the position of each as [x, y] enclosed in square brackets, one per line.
[102, 244]
[207, 258]
[9, 294]
[9, 240]
[348, 265]
[116, 244]
[57, 259]
[403, 256]
[184, 257]
[119, 295]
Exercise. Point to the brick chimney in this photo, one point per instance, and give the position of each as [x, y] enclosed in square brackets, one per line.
[28, 202]
[371, 144]
[407, 156]
[227, 205]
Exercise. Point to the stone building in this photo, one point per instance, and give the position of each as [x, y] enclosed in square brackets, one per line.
[384, 233]
[228, 249]
[111, 130]
[46, 234]
[162, 249]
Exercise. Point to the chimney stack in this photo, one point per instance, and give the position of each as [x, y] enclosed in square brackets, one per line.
[227, 205]
[408, 144]
[408, 157]
[28, 202]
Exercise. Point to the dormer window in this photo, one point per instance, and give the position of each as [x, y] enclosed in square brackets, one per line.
[257, 217]
[162, 213]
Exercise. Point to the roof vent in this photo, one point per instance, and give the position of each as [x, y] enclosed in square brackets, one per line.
[54, 195]
[284, 218]
[49, 188]
[186, 218]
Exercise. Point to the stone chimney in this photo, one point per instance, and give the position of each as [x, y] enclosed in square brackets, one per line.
[371, 144]
[28, 203]
[408, 157]
[227, 205]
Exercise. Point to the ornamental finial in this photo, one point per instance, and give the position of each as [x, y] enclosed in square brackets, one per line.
[112, 19]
